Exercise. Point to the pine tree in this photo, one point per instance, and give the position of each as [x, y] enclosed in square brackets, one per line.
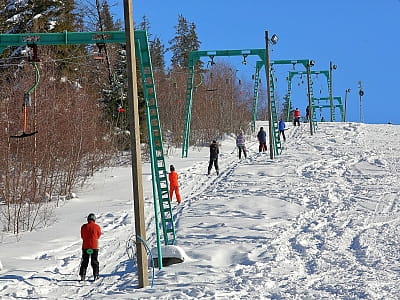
[38, 16]
[183, 43]
[107, 19]
[157, 51]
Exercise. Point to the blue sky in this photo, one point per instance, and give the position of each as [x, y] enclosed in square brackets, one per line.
[360, 36]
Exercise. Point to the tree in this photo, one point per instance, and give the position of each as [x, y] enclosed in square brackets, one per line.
[185, 40]
[157, 51]
[38, 16]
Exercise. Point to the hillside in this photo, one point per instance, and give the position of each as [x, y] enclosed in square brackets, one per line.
[318, 222]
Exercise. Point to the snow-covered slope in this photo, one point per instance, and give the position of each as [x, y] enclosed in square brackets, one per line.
[320, 221]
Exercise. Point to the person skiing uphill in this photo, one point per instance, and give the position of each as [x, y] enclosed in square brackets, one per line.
[281, 127]
[90, 234]
[296, 117]
[307, 113]
[262, 139]
[240, 143]
[173, 184]
[214, 151]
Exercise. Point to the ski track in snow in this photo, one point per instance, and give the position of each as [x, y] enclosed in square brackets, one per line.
[323, 234]
[306, 251]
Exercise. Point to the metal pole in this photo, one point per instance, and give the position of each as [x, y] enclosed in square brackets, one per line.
[310, 106]
[138, 199]
[330, 91]
[361, 93]
[345, 104]
[268, 73]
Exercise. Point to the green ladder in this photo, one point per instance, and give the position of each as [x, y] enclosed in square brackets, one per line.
[159, 172]
[256, 90]
[276, 140]
[313, 112]
[288, 103]
[333, 117]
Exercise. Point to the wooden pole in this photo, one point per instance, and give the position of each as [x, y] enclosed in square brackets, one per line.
[138, 199]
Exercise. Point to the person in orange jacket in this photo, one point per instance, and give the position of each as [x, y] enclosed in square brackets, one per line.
[173, 184]
[296, 117]
[90, 234]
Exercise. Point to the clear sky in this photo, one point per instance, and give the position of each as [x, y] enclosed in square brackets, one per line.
[361, 37]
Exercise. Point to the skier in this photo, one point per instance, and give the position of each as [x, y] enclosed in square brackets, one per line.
[214, 151]
[240, 143]
[90, 233]
[307, 113]
[281, 126]
[262, 139]
[173, 184]
[296, 117]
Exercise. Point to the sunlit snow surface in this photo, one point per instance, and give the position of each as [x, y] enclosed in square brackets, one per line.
[320, 221]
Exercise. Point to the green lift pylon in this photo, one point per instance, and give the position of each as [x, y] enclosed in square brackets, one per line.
[338, 105]
[159, 172]
[301, 73]
[259, 64]
[194, 56]
[331, 106]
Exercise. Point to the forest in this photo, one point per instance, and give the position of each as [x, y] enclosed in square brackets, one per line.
[64, 112]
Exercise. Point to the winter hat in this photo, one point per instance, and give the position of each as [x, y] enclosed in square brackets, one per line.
[171, 168]
[91, 217]
[214, 141]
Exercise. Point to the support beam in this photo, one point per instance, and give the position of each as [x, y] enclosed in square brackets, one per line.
[133, 102]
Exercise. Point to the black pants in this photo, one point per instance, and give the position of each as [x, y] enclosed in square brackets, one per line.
[210, 164]
[283, 134]
[296, 121]
[242, 148]
[93, 261]
[262, 147]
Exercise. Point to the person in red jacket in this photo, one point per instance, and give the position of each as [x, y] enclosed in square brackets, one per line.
[173, 184]
[296, 117]
[90, 234]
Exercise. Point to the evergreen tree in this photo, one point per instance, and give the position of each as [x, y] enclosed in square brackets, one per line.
[144, 25]
[183, 43]
[107, 19]
[114, 98]
[38, 16]
[157, 51]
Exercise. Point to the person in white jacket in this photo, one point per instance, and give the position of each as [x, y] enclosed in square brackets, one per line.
[240, 143]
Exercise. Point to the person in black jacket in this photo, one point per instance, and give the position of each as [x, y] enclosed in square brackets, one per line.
[214, 151]
[262, 139]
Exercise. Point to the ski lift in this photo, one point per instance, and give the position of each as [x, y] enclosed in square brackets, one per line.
[244, 59]
[211, 89]
[100, 55]
[27, 101]
[211, 62]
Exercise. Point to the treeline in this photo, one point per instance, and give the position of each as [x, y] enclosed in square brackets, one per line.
[79, 106]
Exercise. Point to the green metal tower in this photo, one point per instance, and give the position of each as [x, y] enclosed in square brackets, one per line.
[194, 56]
[307, 64]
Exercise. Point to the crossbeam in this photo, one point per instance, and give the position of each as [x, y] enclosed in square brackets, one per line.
[65, 38]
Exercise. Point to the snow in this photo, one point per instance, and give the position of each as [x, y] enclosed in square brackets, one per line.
[320, 221]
